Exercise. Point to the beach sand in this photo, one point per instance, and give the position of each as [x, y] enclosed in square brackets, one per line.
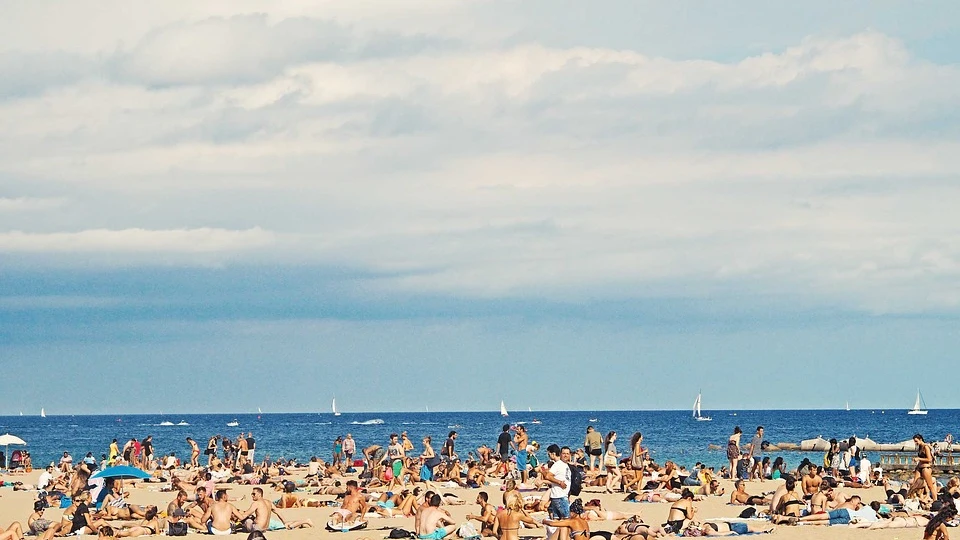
[16, 506]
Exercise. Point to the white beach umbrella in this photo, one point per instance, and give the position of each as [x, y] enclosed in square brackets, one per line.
[6, 440]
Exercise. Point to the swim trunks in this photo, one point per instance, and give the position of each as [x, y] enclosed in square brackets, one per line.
[275, 525]
[397, 467]
[521, 460]
[385, 504]
[438, 534]
[218, 532]
[739, 528]
[839, 517]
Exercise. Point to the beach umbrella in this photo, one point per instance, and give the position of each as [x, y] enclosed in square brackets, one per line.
[122, 472]
[6, 440]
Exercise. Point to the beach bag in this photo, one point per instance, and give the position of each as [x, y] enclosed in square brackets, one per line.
[468, 531]
[609, 460]
[178, 528]
[401, 533]
[576, 480]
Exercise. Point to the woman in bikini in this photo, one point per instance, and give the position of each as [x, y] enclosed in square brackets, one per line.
[791, 503]
[194, 453]
[507, 523]
[680, 511]
[148, 527]
[924, 461]
[635, 529]
[579, 528]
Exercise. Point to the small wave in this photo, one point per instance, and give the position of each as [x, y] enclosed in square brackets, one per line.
[408, 423]
[452, 426]
[373, 422]
[322, 423]
[429, 423]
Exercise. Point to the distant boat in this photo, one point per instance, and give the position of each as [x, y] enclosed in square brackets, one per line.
[166, 423]
[21, 413]
[917, 409]
[372, 422]
[43, 413]
[334, 407]
[535, 421]
[233, 424]
[259, 411]
[696, 412]
[529, 409]
[503, 409]
[848, 406]
[182, 423]
[594, 420]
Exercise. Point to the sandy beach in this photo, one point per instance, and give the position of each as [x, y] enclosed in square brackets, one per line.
[16, 506]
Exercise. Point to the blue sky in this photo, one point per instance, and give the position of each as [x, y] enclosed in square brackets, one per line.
[443, 203]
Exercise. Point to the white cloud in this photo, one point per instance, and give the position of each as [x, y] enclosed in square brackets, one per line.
[503, 167]
[204, 240]
[28, 204]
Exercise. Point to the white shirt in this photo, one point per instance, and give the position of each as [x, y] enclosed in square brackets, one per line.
[45, 478]
[561, 471]
[863, 470]
[865, 514]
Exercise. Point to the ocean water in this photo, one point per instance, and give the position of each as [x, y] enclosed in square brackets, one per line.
[667, 434]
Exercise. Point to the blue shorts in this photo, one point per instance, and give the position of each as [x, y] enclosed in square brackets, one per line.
[521, 460]
[839, 517]
[739, 527]
[438, 534]
[559, 508]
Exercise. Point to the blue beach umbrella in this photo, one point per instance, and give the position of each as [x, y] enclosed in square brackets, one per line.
[122, 472]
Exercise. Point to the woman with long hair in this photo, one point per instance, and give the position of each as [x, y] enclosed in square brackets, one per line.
[611, 462]
[937, 526]
[924, 461]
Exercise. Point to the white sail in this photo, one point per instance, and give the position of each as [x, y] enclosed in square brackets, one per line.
[259, 411]
[696, 411]
[43, 413]
[917, 409]
[848, 406]
[503, 409]
[334, 407]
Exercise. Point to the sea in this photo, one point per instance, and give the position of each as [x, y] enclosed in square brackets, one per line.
[671, 435]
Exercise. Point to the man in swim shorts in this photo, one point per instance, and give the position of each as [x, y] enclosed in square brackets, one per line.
[434, 523]
[852, 510]
[220, 516]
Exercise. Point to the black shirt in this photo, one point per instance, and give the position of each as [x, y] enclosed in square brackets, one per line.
[448, 447]
[80, 517]
[251, 443]
[147, 448]
[503, 443]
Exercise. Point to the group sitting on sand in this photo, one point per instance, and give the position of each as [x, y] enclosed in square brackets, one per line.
[395, 480]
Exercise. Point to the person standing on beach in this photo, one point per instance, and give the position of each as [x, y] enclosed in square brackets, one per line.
[251, 447]
[243, 451]
[194, 453]
[396, 454]
[924, 462]
[147, 445]
[504, 441]
[448, 451]
[756, 454]
[592, 445]
[349, 448]
[521, 440]
[733, 450]
[558, 477]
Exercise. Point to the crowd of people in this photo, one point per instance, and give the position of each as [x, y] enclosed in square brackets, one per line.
[398, 479]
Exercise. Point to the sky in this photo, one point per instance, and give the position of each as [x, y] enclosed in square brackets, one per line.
[223, 205]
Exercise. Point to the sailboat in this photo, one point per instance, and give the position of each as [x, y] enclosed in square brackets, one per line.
[234, 423]
[259, 411]
[43, 413]
[696, 411]
[848, 406]
[916, 405]
[334, 407]
[503, 409]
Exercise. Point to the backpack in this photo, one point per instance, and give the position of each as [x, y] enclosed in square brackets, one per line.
[178, 528]
[576, 480]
